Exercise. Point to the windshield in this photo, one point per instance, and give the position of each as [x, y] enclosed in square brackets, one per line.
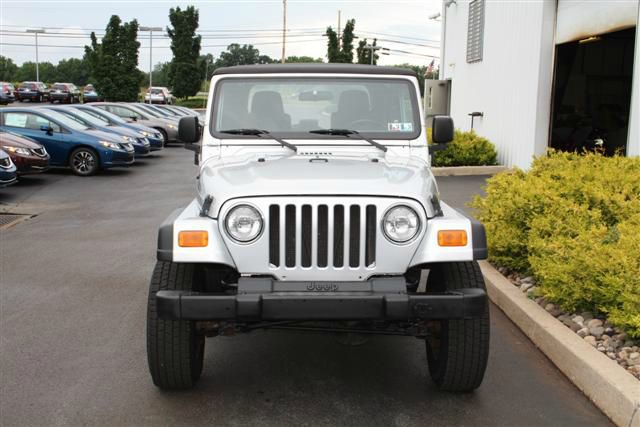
[291, 107]
[67, 121]
[95, 121]
[103, 114]
[147, 110]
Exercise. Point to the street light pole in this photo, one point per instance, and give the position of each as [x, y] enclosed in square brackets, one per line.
[36, 31]
[151, 30]
[284, 29]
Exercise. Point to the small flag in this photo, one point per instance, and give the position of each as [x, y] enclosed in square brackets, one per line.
[430, 67]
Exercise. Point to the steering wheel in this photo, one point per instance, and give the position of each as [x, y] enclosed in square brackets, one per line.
[364, 122]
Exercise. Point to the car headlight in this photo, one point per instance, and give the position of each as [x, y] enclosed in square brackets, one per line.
[109, 144]
[244, 223]
[144, 133]
[18, 150]
[401, 224]
[172, 126]
[128, 138]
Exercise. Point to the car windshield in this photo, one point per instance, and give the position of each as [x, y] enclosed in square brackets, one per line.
[95, 121]
[292, 107]
[67, 121]
[148, 111]
[103, 114]
[156, 92]
[59, 87]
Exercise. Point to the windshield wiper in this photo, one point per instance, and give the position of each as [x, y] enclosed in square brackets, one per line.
[260, 133]
[348, 132]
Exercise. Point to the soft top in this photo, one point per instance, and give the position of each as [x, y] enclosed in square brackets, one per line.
[314, 68]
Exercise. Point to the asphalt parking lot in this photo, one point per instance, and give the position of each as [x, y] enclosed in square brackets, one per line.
[73, 295]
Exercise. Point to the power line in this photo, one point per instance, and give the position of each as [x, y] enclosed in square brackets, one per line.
[155, 47]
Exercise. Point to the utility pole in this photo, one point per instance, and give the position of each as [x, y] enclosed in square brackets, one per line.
[339, 15]
[284, 29]
[151, 30]
[373, 49]
[36, 31]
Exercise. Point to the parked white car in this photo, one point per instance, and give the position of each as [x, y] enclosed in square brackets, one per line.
[159, 95]
[316, 210]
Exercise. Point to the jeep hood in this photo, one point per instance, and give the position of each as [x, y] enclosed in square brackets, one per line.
[305, 175]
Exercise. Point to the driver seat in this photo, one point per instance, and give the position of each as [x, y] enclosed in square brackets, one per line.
[353, 105]
[267, 112]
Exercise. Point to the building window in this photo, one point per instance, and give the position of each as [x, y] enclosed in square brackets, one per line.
[475, 31]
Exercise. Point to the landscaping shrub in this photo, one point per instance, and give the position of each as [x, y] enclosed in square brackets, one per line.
[193, 102]
[573, 221]
[466, 149]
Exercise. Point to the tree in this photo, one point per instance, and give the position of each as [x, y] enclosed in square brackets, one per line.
[27, 72]
[241, 55]
[333, 47]
[185, 73]
[364, 54]
[299, 59]
[111, 62]
[347, 41]
[72, 70]
[337, 52]
[161, 74]
[8, 70]
[421, 71]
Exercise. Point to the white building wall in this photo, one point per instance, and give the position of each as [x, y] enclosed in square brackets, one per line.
[512, 84]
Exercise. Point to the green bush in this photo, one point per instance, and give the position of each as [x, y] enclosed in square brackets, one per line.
[466, 149]
[193, 102]
[573, 221]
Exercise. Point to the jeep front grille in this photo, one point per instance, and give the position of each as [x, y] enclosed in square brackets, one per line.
[322, 235]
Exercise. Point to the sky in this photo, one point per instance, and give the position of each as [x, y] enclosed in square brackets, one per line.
[400, 25]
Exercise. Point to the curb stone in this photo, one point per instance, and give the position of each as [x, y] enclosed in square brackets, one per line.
[607, 385]
[467, 170]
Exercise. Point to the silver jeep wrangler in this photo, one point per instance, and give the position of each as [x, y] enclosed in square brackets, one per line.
[316, 210]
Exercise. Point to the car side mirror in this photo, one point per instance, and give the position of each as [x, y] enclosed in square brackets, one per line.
[133, 118]
[46, 128]
[442, 130]
[188, 130]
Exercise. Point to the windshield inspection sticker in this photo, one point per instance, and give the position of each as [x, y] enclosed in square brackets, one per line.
[400, 127]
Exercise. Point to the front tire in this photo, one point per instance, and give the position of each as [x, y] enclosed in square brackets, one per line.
[84, 161]
[457, 350]
[165, 138]
[175, 350]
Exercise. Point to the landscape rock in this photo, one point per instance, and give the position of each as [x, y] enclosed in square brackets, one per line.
[596, 331]
[579, 320]
[593, 323]
[582, 333]
[590, 340]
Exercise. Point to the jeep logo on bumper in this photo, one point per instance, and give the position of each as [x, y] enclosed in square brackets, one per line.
[323, 287]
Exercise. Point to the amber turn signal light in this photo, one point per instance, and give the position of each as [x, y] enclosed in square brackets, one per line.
[193, 239]
[452, 238]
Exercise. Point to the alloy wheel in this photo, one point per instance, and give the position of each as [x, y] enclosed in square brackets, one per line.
[83, 162]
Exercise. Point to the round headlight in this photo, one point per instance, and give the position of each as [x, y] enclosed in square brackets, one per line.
[244, 223]
[401, 224]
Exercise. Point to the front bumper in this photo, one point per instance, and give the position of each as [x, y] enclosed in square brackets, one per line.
[267, 299]
[118, 158]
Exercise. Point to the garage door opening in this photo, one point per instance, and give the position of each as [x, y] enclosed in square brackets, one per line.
[592, 93]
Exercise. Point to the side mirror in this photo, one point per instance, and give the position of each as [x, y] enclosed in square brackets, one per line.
[46, 128]
[442, 130]
[188, 130]
[133, 118]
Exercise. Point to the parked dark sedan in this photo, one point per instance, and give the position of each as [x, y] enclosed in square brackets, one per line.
[6, 93]
[28, 156]
[32, 91]
[68, 142]
[64, 92]
[8, 173]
